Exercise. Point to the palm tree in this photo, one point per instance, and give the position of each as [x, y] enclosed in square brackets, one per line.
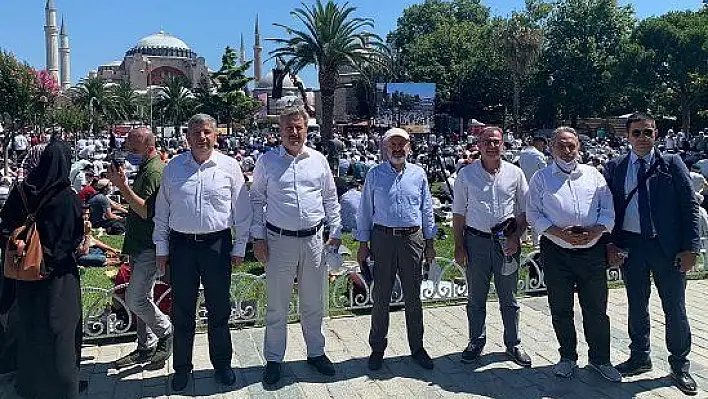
[520, 44]
[125, 101]
[175, 101]
[332, 39]
[95, 96]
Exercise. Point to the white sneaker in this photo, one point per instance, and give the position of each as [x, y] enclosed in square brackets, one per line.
[565, 368]
[607, 371]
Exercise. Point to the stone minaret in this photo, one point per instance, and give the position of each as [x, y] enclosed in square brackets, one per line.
[51, 39]
[242, 52]
[64, 57]
[257, 50]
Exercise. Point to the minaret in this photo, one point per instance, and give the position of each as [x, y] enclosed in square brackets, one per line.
[51, 39]
[242, 52]
[257, 50]
[64, 57]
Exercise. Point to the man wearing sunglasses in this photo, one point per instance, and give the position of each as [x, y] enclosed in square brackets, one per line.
[657, 225]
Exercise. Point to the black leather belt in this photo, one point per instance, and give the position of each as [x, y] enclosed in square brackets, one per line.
[295, 233]
[200, 237]
[397, 231]
[478, 233]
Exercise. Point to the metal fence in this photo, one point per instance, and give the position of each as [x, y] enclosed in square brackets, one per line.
[105, 314]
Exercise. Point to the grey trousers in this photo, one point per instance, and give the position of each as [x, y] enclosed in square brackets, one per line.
[484, 260]
[151, 322]
[290, 257]
[402, 255]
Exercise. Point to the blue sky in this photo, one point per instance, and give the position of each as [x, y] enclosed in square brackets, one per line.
[101, 31]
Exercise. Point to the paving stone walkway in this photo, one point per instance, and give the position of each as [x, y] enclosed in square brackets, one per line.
[493, 376]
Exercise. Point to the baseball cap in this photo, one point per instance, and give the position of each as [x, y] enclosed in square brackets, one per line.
[396, 131]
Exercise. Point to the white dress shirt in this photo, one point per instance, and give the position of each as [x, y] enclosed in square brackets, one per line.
[487, 200]
[581, 198]
[531, 160]
[199, 199]
[631, 214]
[293, 193]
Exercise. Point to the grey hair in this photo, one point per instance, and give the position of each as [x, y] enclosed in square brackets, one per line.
[490, 129]
[145, 134]
[201, 119]
[289, 112]
[563, 129]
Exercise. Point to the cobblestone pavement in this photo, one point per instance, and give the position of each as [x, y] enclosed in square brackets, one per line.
[493, 376]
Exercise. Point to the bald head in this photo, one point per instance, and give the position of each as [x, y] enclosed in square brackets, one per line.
[141, 141]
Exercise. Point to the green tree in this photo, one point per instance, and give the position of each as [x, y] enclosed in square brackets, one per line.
[673, 59]
[72, 118]
[95, 96]
[332, 38]
[584, 42]
[231, 99]
[520, 41]
[175, 101]
[125, 101]
[19, 91]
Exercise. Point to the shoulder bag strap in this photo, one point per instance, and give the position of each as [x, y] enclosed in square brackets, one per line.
[49, 195]
[649, 174]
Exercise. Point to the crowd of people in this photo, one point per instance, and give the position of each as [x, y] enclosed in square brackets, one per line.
[192, 206]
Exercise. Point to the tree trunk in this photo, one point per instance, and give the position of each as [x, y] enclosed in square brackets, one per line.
[685, 114]
[517, 103]
[328, 83]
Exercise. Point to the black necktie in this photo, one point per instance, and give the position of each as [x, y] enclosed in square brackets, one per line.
[643, 199]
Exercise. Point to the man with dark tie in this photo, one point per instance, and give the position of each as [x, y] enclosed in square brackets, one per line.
[657, 224]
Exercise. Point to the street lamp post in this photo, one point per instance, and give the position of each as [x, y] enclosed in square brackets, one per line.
[149, 85]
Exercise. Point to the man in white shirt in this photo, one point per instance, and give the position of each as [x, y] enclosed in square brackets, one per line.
[19, 146]
[531, 158]
[571, 206]
[202, 197]
[490, 194]
[293, 195]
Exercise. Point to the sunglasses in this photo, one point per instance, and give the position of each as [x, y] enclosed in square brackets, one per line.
[648, 132]
[492, 143]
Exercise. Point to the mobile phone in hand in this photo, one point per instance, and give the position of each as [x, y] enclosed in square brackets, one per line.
[577, 229]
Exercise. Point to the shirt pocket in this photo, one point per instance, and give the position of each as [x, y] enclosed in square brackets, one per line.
[218, 193]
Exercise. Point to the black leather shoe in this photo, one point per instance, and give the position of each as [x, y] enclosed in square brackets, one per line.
[685, 382]
[180, 380]
[322, 364]
[471, 354]
[135, 357]
[163, 350]
[375, 360]
[519, 356]
[271, 374]
[634, 366]
[423, 359]
[225, 376]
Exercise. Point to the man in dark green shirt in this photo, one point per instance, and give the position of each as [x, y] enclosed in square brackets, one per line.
[154, 327]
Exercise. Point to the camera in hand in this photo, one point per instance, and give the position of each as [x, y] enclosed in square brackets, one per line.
[116, 158]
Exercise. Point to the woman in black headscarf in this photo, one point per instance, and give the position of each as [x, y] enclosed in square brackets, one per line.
[50, 309]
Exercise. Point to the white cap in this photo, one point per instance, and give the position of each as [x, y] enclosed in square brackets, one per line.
[396, 131]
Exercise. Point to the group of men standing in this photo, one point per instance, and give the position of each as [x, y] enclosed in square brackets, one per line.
[641, 215]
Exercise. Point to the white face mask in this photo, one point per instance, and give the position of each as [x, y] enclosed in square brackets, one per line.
[566, 166]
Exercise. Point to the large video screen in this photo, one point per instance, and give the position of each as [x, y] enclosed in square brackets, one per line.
[410, 106]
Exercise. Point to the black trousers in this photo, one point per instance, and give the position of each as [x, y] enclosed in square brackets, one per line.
[49, 348]
[647, 257]
[209, 262]
[566, 269]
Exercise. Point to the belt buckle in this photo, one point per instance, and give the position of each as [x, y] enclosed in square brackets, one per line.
[196, 238]
[398, 232]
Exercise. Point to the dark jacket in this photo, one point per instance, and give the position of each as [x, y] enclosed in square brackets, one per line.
[673, 205]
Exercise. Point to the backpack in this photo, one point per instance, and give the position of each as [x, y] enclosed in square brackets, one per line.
[24, 258]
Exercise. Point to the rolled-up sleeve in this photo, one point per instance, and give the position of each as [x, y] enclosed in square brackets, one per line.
[161, 232]
[365, 213]
[534, 205]
[241, 213]
[258, 199]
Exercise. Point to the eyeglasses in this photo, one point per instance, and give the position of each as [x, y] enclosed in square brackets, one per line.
[492, 143]
[648, 132]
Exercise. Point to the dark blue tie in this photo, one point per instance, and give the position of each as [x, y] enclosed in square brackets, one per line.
[643, 199]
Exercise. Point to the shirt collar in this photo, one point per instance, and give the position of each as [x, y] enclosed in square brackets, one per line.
[150, 160]
[210, 161]
[393, 170]
[303, 154]
[649, 158]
